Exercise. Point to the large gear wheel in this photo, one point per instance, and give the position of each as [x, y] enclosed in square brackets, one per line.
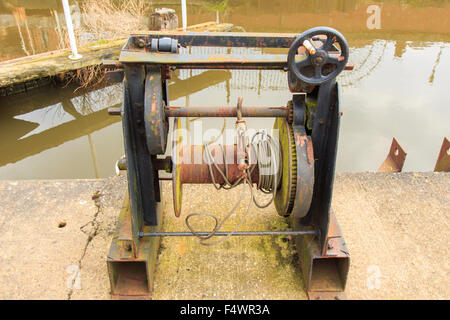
[285, 196]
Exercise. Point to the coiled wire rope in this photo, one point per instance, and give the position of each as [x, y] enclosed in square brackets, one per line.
[267, 157]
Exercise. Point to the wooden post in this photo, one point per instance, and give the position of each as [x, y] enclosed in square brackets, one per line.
[163, 19]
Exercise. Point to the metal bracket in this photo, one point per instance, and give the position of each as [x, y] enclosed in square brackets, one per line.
[395, 158]
[443, 160]
[325, 135]
[325, 274]
[131, 269]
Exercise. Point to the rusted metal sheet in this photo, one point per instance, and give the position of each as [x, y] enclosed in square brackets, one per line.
[253, 61]
[226, 111]
[131, 276]
[125, 240]
[218, 39]
[325, 274]
[443, 160]
[208, 61]
[141, 49]
[395, 158]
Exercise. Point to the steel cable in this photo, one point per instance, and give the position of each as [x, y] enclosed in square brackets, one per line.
[268, 160]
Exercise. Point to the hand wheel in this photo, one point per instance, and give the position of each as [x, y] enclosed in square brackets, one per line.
[323, 62]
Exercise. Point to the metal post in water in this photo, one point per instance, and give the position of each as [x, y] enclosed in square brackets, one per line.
[184, 14]
[73, 44]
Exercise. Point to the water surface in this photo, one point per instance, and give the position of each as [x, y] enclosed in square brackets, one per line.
[399, 87]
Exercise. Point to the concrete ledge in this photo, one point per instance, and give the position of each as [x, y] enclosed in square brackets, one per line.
[395, 226]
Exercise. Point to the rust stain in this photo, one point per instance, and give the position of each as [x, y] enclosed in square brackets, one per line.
[301, 140]
[182, 248]
[310, 151]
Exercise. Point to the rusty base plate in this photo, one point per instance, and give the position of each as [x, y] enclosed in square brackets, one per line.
[131, 273]
[325, 275]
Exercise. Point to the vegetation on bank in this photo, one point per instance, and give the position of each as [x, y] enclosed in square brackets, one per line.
[108, 19]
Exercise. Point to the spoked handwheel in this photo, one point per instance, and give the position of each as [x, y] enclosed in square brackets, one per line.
[326, 53]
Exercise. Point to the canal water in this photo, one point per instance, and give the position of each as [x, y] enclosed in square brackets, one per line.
[399, 87]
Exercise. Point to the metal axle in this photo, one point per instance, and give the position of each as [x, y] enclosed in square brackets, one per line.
[224, 233]
[226, 111]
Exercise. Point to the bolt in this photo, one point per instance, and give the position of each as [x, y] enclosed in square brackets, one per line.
[140, 43]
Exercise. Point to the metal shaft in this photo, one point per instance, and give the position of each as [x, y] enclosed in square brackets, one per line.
[226, 111]
[224, 233]
[193, 166]
[73, 45]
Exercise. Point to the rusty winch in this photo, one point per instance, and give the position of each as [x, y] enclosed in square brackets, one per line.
[296, 168]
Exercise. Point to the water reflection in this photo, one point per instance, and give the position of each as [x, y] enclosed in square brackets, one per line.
[31, 27]
[398, 88]
[48, 119]
[51, 132]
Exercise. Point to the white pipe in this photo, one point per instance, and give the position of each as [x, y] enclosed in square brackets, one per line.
[183, 14]
[73, 44]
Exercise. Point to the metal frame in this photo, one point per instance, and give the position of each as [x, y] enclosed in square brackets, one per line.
[131, 270]
[145, 109]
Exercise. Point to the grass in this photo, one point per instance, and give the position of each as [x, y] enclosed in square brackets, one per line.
[103, 21]
[109, 19]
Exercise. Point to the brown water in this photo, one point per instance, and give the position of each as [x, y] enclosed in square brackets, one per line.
[399, 87]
